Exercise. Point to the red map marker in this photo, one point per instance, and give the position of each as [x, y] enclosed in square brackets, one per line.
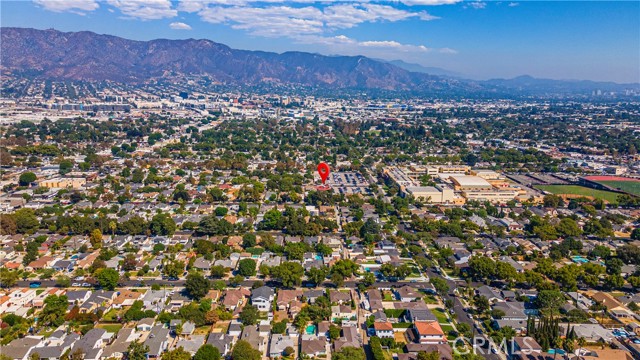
[323, 170]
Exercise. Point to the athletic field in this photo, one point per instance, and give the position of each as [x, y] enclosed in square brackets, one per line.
[579, 190]
[629, 185]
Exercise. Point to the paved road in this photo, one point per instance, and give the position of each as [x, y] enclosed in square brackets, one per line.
[462, 316]
[247, 283]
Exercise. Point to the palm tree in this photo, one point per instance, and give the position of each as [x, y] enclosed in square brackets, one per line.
[113, 226]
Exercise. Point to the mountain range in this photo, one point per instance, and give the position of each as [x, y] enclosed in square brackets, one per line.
[87, 56]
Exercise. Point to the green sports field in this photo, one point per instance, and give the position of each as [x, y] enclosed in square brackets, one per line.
[579, 190]
[632, 187]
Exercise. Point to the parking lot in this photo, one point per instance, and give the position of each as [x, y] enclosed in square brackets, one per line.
[349, 183]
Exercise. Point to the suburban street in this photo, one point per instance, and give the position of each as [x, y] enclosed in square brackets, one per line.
[462, 316]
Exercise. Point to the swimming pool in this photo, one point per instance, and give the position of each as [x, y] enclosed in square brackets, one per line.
[579, 259]
[310, 330]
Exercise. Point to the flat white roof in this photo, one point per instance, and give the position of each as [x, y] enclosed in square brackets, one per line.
[414, 189]
[469, 180]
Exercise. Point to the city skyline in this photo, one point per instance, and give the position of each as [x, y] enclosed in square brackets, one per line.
[478, 40]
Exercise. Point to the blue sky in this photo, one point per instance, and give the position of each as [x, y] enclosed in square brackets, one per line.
[480, 39]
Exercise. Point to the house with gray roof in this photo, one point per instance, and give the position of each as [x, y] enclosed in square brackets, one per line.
[223, 342]
[19, 349]
[191, 344]
[262, 298]
[278, 343]
[158, 341]
[251, 335]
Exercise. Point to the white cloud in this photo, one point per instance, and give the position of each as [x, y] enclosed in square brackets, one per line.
[513, 4]
[275, 21]
[429, 2]
[75, 6]
[179, 26]
[477, 4]
[349, 46]
[145, 9]
[294, 21]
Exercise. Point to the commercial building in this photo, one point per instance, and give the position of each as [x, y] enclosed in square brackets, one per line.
[438, 194]
[63, 183]
[469, 182]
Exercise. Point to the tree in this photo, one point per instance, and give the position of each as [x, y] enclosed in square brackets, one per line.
[207, 352]
[482, 267]
[219, 271]
[243, 351]
[180, 194]
[177, 354]
[8, 278]
[27, 178]
[370, 230]
[197, 286]
[288, 273]
[349, 353]
[317, 275]
[334, 332]
[343, 269]
[247, 267]
[629, 254]
[552, 201]
[26, 221]
[249, 315]
[249, 240]
[137, 351]
[635, 234]
[279, 327]
[614, 281]
[173, 268]
[65, 167]
[96, 238]
[614, 266]
[54, 311]
[550, 300]
[600, 251]
[482, 304]
[162, 224]
[63, 281]
[108, 278]
[440, 285]
[8, 224]
[569, 227]
[423, 355]
[288, 351]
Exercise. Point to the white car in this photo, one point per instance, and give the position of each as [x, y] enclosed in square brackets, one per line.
[76, 285]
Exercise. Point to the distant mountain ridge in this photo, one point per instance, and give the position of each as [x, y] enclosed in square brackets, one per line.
[532, 84]
[423, 69]
[87, 56]
[84, 55]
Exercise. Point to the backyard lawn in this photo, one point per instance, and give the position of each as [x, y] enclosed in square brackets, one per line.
[441, 316]
[112, 328]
